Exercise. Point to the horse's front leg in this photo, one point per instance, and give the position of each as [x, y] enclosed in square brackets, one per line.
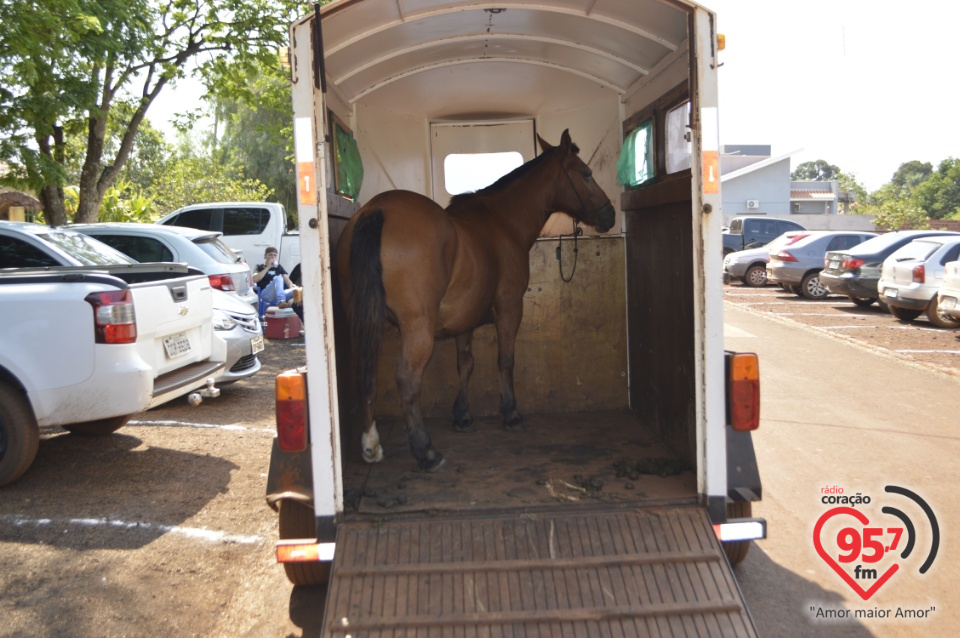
[462, 420]
[415, 351]
[508, 324]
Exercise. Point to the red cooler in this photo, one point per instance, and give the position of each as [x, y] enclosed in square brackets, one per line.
[282, 323]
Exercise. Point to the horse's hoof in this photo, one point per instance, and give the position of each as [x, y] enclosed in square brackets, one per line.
[464, 426]
[432, 464]
[373, 455]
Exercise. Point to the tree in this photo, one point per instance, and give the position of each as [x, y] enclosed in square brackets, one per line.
[911, 174]
[203, 179]
[68, 63]
[939, 194]
[818, 171]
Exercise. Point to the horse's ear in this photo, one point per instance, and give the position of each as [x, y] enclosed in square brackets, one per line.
[565, 142]
[544, 144]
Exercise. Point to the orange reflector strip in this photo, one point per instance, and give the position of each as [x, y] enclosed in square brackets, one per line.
[745, 392]
[305, 553]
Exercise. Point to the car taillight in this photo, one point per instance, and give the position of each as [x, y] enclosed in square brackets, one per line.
[851, 263]
[222, 282]
[784, 255]
[114, 320]
[744, 388]
[291, 395]
[919, 274]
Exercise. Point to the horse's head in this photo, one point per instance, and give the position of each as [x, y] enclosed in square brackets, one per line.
[577, 193]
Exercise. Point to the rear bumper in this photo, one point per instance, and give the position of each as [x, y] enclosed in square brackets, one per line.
[780, 274]
[849, 284]
[909, 303]
[950, 302]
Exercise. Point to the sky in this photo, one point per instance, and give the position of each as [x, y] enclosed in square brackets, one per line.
[862, 84]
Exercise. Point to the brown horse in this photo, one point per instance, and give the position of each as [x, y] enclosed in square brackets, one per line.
[439, 273]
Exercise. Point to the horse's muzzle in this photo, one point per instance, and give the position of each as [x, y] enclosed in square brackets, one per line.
[606, 218]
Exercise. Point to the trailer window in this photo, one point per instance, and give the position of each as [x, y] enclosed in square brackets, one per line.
[678, 144]
[469, 172]
[635, 165]
[348, 166]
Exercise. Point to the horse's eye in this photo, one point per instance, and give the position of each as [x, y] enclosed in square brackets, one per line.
[587, 175]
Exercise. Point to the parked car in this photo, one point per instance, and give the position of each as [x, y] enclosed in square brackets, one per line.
[754, 232]
[911, 278]
[204, 250]
[949, 293]
[66, 247]
[750, 266]
[239, 326]
[855, 272]
[797, 266]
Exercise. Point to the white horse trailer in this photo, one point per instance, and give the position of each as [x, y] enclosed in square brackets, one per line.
[637, 470]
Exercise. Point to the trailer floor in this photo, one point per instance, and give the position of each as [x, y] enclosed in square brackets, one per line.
[568, 459]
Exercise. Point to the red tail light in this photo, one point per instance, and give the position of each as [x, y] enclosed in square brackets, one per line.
[744, 388]
[114, 319]
[784, 255]
[851, 263]
[222, 282]
[291, 394]
[919, 274]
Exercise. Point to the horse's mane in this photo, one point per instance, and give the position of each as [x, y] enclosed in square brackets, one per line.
[509, 178]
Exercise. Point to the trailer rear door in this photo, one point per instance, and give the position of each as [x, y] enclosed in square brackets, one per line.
[652, 571]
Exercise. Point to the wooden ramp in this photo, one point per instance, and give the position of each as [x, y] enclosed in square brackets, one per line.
[647, 572]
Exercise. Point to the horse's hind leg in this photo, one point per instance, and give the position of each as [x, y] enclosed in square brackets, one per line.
[370, 441]
[462, 420]
[415, 351]
[508, 324]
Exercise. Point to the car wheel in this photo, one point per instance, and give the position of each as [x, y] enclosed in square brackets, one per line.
[736, 551]
[100, 427]
[811, 288]
[297, 521]
[19, 434]
[794, 289]
[938, 318]
[904, 314]
[756, 276]
[862, 302]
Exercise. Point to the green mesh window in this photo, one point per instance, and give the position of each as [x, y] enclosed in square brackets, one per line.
[348, 162]
[635, 164]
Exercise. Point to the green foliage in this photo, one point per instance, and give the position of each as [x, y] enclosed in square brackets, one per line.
[818, 171]
[65, 65]
[201, 179]
[939, 194]
[896, 213]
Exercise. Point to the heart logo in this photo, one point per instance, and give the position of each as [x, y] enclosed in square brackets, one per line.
[854, 585]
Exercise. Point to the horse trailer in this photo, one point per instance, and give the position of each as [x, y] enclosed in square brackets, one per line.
[624, 499]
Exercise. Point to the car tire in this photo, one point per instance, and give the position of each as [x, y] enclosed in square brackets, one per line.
[736, 551]
[100, 427]
[19, 434]
[297, 521]
[939, 319]
[794, 289]
[862, 302]
[756, 276]
[811, 288]
[904, 314]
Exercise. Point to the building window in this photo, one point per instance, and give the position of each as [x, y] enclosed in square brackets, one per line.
[635, 164]
[469, 172]
[678, 144]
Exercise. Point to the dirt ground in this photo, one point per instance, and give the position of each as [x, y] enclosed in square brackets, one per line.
[162, 528]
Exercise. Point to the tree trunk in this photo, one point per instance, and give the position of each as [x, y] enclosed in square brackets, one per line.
[54, 212]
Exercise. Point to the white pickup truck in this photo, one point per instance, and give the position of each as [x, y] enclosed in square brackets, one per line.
[247, 227]
[86, 347]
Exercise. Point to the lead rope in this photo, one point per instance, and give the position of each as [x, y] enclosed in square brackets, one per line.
[577, 231]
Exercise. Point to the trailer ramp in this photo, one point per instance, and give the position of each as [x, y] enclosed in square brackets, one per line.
[645, 572]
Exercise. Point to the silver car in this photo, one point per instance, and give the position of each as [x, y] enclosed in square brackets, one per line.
[750, 265]
[202, 249]
[237, 323]
[797, 266]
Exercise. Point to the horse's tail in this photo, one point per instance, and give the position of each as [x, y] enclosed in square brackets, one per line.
[369, 298]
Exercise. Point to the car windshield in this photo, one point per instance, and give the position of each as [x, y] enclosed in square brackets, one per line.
[218, 250]
[87, 250]
[917, 250]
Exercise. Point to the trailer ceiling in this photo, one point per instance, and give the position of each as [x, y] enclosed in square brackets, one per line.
[447, 59]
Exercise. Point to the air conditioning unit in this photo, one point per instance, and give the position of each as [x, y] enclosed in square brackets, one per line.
[753, 204]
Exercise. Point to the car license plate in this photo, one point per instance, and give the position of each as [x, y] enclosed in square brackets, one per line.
[834, 264]
[949, 303]
[177, 345]
[891, 292]
[257, 344]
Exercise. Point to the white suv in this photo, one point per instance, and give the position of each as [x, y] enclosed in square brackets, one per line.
[912, 275]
